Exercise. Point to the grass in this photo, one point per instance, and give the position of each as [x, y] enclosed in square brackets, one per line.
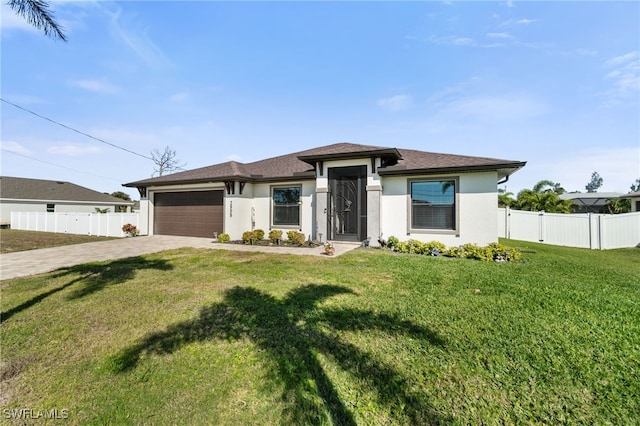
[221, 337]
[12, 240]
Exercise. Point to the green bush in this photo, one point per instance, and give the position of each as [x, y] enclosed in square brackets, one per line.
[258, 234]
[393, 242]
[224, 238]
[435, 245]
[493, 252]
[247, 236]
[275, 235]
[295, 237]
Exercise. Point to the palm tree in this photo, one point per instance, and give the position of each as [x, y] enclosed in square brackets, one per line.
[37, 13]
[543, 196]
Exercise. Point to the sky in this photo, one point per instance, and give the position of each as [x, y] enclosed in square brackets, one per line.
[555, 84]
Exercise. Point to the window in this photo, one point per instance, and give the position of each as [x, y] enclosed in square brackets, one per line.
[286, 206]
[433, 204]
[51, 208]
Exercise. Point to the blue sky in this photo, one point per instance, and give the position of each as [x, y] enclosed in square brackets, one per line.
[556, 84]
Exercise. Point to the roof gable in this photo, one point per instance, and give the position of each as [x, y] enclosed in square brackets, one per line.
[50, 190]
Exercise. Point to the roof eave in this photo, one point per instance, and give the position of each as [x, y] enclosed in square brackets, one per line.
[387, 152]
[504, 169]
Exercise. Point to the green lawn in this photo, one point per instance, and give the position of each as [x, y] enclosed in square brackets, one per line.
[12, 240]
[219, 337]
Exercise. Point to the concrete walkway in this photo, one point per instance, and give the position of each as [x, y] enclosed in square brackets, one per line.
[30, 262]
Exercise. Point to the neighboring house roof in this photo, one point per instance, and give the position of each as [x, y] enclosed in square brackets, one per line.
[15, 188]
[590, 199]
[299, 165]
[631, 195]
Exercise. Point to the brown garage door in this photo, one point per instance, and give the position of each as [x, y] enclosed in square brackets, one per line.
[192, 214]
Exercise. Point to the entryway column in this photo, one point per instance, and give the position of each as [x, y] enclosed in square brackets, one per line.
[374, 196]
[322, 195]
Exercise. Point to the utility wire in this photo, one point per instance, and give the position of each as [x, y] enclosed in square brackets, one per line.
[75, 130]
[58, 165]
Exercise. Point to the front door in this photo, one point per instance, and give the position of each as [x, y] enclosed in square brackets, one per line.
[347, 203]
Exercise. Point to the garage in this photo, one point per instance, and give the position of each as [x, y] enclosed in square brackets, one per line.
[190, 214]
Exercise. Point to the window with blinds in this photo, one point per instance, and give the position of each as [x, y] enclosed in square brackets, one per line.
[433, 204]
[286, 206]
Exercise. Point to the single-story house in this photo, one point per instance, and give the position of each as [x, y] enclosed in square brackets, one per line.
[38, 195]
[589, 202]
[339, 192]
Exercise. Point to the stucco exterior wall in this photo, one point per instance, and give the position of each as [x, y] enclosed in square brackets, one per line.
[477, 207]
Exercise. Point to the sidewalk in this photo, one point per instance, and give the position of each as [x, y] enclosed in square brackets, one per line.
[32, 262]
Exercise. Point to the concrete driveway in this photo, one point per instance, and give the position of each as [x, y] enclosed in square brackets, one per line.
[33, 262]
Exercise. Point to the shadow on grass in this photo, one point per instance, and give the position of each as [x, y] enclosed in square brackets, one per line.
[292, 331]
[92, 277]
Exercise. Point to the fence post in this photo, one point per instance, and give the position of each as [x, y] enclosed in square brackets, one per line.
[541, 226]
[507, 222]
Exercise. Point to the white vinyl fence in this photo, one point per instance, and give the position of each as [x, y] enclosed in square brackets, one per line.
[594, 231]
[99, 224]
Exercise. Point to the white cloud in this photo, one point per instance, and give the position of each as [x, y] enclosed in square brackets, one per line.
[624, 75]
[9, 20]
[98, 86]
[512, 22]
[618, 167]
[586, 52]
[12, 146]
[138, 40]
[73, 150]
[396, 103]
[496, 108]
[500, 35]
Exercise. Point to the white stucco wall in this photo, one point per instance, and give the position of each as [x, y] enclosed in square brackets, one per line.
[258, 198]
[477, 207]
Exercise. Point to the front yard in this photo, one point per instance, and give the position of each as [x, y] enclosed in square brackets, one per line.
[221, 337]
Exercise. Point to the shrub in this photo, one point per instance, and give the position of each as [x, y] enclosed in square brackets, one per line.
[130, 229]
[247, 236]
[296, 238]
[435, 248]
[224, 238]
[275, 235]
[258, 234]
[393, 242]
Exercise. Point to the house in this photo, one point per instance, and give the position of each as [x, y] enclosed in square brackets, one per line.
[37, 195]
[339, 192]
[589, 202]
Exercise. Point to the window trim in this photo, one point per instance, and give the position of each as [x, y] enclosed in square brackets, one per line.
[272, 207]
[456, 207]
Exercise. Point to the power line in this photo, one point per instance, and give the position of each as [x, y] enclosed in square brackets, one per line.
[58, 165]
[75, 130]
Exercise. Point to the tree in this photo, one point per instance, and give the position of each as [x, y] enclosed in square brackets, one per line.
[37, 13]
[635, 186]
[122, 195]
[619, 205]
[545, 195]
[594, 183]
[166, 161]
[505, 199]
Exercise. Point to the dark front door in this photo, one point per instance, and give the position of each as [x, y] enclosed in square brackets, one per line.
[347, 203]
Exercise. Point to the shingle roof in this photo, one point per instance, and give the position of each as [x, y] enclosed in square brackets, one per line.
[299, 165]
[16, 188]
